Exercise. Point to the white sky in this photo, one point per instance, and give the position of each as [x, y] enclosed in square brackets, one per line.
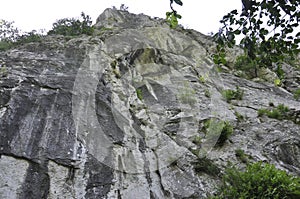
[204, 15]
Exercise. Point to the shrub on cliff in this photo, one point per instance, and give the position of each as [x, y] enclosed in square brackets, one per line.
[8, 34]
[72, 26]
[11, 36]
[259, 180]
[8, 31]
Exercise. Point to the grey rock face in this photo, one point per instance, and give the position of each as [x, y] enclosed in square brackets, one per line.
[121, 115]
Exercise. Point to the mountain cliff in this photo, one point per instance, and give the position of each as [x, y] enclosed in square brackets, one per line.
[138, 110]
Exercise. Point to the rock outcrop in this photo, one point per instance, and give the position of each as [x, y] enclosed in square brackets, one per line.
[122, 114]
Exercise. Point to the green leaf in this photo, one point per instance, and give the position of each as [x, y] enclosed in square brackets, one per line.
[277, 35]
[237, 32]
[234, 12]
[245, 31]
[178, 16]
[172, 19]
[179, 2]
[168, 14]
[277, 82]
[223, 61]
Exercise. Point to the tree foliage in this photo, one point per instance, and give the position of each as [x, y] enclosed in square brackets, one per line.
[259, 181]
[268, 32]
[7, 31]
[11, 36]
[72, 26]
[267, 29]
[173, 16]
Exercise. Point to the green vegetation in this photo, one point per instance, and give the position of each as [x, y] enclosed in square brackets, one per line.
[104, 29]
[5, 45]
[225, 133]
[222, 129]
[29, 37]
[196, 151]
[172, 17]
[297, 94]
[278, 82]
[280, 112]
[240, 154]
[72, 26]
[117, 73]
[233, 94]
[207, 93]
[266, 43]
[258, 181]
[7, 31]
[197, 140]
[203, 78]
[139, 93]
[3, 71]
[219, 57]
[238, 116]
[205, 165]
[187, 95]
[247, 65]
[11, 36]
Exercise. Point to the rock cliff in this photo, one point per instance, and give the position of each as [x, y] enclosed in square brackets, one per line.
[123, 114]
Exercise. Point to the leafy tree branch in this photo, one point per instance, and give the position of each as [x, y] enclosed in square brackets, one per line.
[268, 33]
[172, 17]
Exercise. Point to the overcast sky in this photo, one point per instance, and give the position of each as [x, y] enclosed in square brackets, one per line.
[203, 16]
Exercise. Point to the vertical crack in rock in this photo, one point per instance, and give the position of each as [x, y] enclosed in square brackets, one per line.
[100, 178]
[104, 113]
[142, 147]
[37, 182]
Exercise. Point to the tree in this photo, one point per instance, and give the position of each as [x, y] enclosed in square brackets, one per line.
[7, 31]
[267, 29]
[268, 33]
[173, 16]
[11, 36]
[72, 26]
